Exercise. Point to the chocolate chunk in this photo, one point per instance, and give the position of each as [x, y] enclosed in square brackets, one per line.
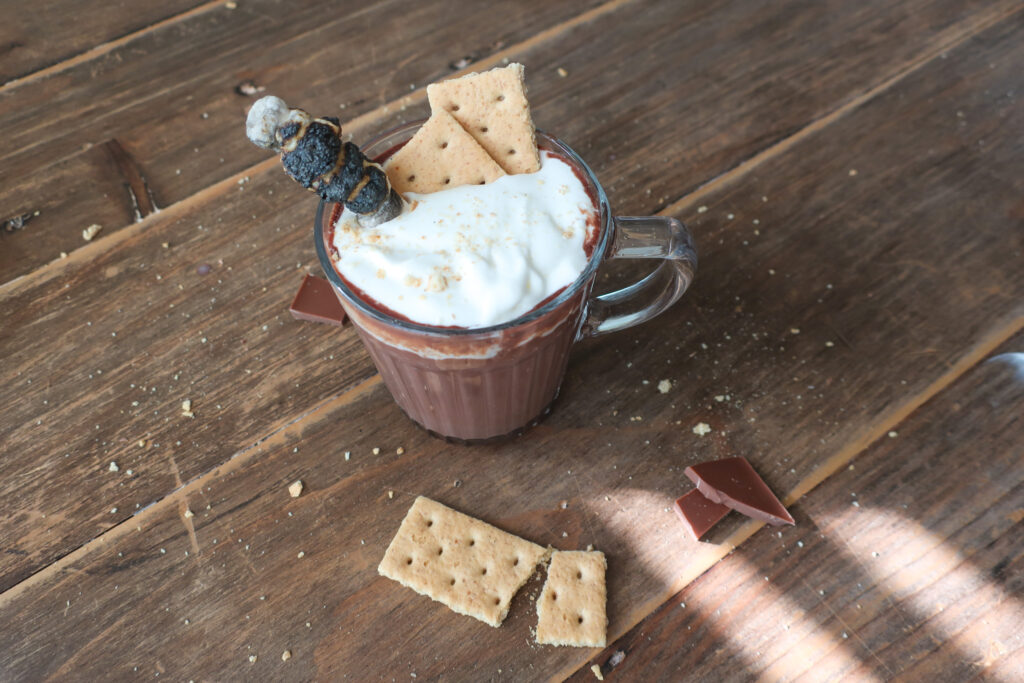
[734, 483]
[316, 302]
[698, 513]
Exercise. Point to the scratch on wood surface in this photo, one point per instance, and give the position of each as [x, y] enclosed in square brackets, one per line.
[847, 628]
[189, 527]
[139, 191]
[183, 508]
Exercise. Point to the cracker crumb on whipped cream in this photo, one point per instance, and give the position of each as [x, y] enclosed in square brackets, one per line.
[474, 255]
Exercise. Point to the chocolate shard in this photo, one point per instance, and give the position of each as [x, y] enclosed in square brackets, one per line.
[734, 483]
[698, 513]
[316, 302]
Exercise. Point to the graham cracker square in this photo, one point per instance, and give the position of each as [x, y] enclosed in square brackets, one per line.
[439, 156]
[571, 607]
[468, 565]
[492, 107]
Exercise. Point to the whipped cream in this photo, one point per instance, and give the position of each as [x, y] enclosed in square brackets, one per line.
[474, 255]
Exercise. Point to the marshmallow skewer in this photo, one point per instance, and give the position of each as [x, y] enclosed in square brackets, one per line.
[313, 154]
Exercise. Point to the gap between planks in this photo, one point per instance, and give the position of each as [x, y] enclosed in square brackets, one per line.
[107, 47]
[48, 271]
[951, 39]
[946, 42]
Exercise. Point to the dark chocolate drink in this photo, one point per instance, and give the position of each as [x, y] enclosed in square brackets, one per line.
[472, 383]
[493, 376]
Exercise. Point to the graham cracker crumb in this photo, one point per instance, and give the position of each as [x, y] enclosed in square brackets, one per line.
[91, 232]
[597, 672]
[664, 386]
[702, 428]
[295, 489]
[113, 467]
[286, 655]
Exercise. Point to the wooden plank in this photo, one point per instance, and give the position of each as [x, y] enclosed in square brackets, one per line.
[149, 330]
[170, 97]
[158, 99]
[31, 40]
[909, 565]
[615, 457]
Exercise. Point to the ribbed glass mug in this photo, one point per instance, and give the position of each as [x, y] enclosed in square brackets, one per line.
[477, 384]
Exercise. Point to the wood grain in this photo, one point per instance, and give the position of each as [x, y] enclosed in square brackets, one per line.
[719, 109]
[160, 324]
[907, 566]
[31, 40]
[876, 263]
[171, 98]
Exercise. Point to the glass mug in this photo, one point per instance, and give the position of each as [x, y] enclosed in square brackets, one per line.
[470, 385]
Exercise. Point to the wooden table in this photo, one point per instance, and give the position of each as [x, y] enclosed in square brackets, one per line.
[854, 176]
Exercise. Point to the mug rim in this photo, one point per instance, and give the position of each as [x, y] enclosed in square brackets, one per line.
[567, 292]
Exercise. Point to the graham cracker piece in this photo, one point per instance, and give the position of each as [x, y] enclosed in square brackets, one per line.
[492, 107]
[439, 156]
[468, 565]
[571, 607]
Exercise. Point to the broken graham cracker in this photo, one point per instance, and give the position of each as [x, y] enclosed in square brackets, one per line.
[571, 607]
[439, 156]
[470, 566]
[492, 107]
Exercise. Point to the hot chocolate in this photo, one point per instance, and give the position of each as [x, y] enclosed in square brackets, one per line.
[458, 363]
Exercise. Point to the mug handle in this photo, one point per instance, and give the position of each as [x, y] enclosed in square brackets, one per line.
[643, 237]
